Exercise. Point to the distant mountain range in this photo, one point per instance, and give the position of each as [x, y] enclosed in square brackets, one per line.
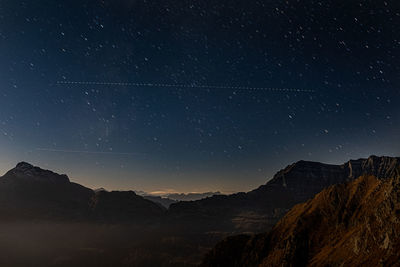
[31, 194]
[28, 191]
[163, 201]
[167, 199]
[180, 196]
[191, 196]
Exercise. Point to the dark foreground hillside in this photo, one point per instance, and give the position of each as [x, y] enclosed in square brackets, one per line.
[351, 224]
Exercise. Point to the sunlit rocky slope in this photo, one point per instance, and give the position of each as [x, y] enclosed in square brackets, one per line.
[350, 224]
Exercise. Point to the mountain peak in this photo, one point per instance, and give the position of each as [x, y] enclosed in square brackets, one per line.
[24, 165]
[24, 170]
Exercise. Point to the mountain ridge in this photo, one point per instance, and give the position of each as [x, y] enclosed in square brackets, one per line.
[185, 232]
[265, 205]
[350, 224]
[29, 192]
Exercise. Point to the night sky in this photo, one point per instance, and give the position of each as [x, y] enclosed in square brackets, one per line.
[193, 139]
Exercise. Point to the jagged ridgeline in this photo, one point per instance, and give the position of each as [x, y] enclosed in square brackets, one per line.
[260, 209]
[46, 218]
[356, 223]
[28, 191]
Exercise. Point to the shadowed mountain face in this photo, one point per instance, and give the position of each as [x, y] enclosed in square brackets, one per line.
[351, 224]
[28, 192]
[260, 209]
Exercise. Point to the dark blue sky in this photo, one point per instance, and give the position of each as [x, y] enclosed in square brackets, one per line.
[193, 139]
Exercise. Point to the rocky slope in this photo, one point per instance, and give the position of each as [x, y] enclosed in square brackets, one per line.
[351, 224]
[260, 209]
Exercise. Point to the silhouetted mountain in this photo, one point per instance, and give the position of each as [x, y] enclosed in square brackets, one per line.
[191, 196]
[260, 209]
[100, 189]
[117, 228]
[351, 224]
[28, 192]
[167, 199]
[123, 206]
[163, 201]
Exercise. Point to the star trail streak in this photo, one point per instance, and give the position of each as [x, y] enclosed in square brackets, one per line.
[272, 89]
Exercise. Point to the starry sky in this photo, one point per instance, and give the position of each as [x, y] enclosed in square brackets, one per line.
[343, 56]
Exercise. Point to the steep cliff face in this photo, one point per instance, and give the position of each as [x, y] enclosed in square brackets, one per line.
[260, 209]
[304, 179]
[350, 224]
